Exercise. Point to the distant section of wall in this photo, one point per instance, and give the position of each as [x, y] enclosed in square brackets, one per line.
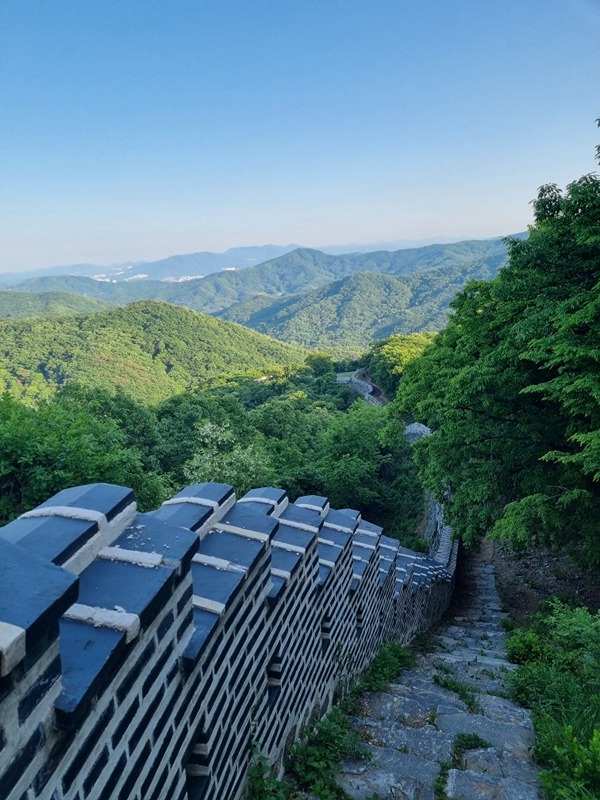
[359, 383]
[141, 655]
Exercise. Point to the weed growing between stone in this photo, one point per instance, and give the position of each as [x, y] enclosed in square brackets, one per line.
[312, 764]
[462, 743]
[466, 694]
[314, 761]
[558, 648]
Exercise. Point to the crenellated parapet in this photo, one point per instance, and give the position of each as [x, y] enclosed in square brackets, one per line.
[142, 655]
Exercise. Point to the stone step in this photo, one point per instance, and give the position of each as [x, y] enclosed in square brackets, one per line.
[516, 740]
[410, 730]
[469, 785]
[427, 742]
[389, 773]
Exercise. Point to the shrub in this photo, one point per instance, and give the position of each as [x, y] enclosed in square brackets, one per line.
[559, 649]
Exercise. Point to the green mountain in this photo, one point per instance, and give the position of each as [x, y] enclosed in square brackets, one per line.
[349, 313]
[301, 270]
[46, 304]
[173, 267]
[151, 350]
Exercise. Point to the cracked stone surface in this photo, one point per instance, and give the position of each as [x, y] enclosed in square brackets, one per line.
[410, 729]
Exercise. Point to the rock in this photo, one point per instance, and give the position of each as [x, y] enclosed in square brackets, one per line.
[411, 729]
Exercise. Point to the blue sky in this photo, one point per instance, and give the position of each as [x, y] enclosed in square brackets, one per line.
[136, 129]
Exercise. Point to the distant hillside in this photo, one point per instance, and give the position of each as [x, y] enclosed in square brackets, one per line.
[152, 350]
[47, 304]
[299, 271]
[174, 267]
[349, 313]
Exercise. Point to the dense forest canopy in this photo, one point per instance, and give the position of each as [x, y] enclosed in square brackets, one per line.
[511, 387]
[46, 304]
[151, 350]
[346, 315]
[302, 431]
[300, 271]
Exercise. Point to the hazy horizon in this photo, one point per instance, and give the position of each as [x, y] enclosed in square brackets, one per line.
[334, 249]
[140, 130]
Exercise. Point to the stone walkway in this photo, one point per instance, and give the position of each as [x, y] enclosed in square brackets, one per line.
[416, 730]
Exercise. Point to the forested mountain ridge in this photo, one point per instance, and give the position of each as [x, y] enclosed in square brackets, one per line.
[151, 350]
[349, 313]
[46, 304]
[173, 267]
[301, 270]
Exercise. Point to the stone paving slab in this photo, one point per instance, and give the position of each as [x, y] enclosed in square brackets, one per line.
[469, 785]
[411, 729]
[427, 742]
[492, 761]
[390, 774]
[514, 738]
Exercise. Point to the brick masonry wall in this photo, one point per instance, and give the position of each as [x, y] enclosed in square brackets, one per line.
[141, 655]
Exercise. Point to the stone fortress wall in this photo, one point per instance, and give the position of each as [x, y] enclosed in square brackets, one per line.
[141, 655]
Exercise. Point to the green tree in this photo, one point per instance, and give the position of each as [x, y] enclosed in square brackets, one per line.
[222, 457]
[511, 386]
[49, 448]
[387, 358]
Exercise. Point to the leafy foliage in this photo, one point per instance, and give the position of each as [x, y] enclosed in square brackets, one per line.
[511, 386]
[151, 350]
[57, 445]
[387, 666]
[347, 314]
[386, 359]
[559, 648]
[314, 761]
[46, 304]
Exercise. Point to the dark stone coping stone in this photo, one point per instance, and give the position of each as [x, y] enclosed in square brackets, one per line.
[35, 593]
[369, 527]
[184, 515]
[231, 547]
[339, 538]
[53, 538]
[205, 624]
[329, 552]
[285, 559]
[350, 512]
[107, 498]
[294, 536]
[89, 656]
[306, 516]
[368, 541]
[215, 492]
[389, 542]
[341, 520]
[354, 584]
[386, 565]
[404, 560]
[366, 553]
[147, 534]
[260, 508]
[324, 573]
[247, 519]
[404, 551]
[216, 584]
[313, 500]
[359, 567]
[277, 589]
[139, 590]
[276, 496]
